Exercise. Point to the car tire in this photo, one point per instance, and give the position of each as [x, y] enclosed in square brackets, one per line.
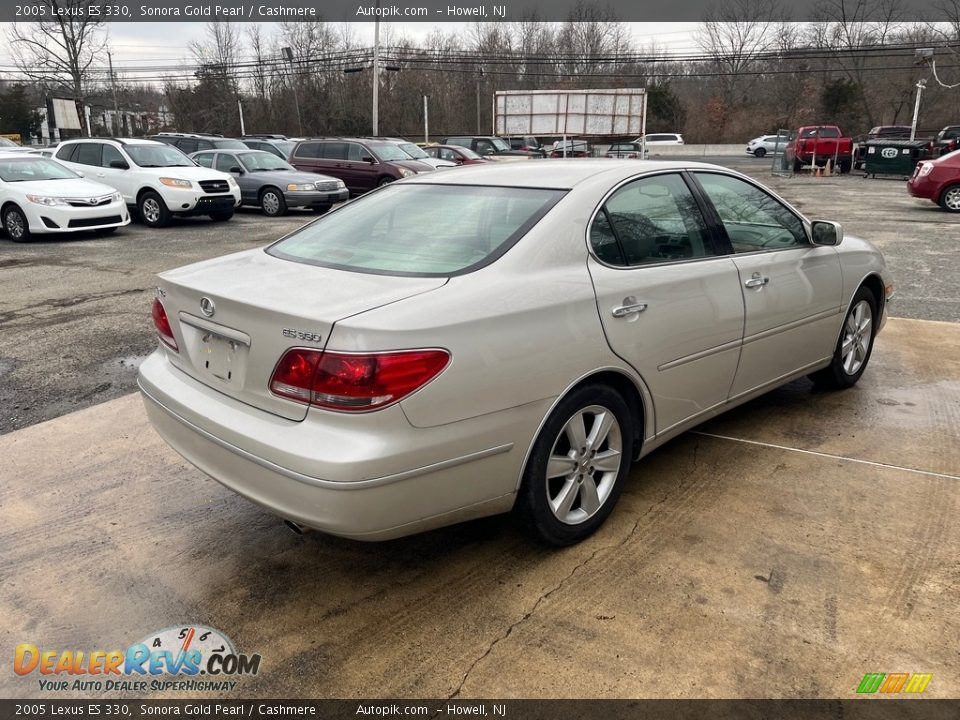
[760, 152]
[272, 202]
[321, 209]
[221, 216]
[950, 198]
[568, 507]
[855, 345]
[844, 166]
[386, 180]
[797, 166]
[153, 210]
[15, 224]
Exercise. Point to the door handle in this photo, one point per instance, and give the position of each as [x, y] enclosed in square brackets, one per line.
[624, 310]
[756, 281]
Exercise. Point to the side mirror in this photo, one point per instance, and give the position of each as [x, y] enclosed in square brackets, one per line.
[826, 232]
[368, 159]
[237, 169]
[119, 165]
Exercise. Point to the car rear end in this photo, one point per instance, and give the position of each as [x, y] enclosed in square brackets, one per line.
[267, 378]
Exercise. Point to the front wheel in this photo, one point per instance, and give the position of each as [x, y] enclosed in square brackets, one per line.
[950, 199]
[576, 470]
[15, 224]
[321, 209]
[221, 215]
[272, 202]
[760, 152]
[153, 210]
[384, 181]
[854, 347]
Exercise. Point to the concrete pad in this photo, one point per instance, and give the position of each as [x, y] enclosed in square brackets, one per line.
[728, 570]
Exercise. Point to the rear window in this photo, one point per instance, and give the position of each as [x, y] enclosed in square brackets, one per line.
[420, 230]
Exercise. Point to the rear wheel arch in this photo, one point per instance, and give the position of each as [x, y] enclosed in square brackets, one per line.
[621, 383]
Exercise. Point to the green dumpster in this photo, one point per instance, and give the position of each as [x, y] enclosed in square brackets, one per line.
[893, 157]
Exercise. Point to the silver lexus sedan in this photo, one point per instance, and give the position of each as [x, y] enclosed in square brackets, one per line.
[506, 336]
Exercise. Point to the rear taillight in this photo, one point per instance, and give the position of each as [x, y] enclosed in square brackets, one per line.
[162, 323]
[924, 169]
[354, 382]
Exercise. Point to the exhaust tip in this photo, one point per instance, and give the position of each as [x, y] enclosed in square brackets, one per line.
[296, 528]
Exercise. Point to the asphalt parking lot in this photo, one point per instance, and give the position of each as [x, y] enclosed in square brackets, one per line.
[782, 550]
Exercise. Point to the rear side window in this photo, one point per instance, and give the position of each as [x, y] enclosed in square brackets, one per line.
[462, 142]
[189, 145]
[388, 232]
[332, 151]
[88, 154]
[205, 160]
[307, 150]
[67, 152]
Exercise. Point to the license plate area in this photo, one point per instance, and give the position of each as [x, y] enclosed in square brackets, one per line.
[220, 355]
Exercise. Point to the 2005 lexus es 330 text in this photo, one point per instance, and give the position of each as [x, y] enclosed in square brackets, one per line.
[455, 345]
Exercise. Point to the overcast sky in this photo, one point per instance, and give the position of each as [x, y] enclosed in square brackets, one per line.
[149, 42]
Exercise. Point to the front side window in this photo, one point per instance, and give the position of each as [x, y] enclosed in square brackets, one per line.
[225, 161]
[110, 154]
[651, 220]
[388, 232]
[753, 219]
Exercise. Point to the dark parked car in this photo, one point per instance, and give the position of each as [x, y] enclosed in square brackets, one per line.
[188, 143]
[631, 150]
[280, 147]
[455, 154]
[571, 149]
[938, 181]
[272, 183]
[948, 139]
[485, 145]
[527, 143]
[361, 163]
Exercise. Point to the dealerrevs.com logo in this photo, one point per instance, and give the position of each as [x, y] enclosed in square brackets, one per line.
[184, 657]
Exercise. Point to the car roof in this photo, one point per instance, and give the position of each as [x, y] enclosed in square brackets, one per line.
[559, 174]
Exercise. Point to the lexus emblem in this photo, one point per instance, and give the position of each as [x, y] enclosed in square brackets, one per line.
[207, 307]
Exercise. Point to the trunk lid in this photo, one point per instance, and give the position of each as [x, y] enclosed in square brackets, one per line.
[234, 317]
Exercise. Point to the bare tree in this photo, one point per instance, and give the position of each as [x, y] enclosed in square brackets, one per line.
[60, 51]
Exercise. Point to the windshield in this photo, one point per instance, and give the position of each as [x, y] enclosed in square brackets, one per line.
[4, 142]
[468, 153]
[284, 146]
[389, 232]
[28, 169]
[500, 143]
[413, 151]
[254, 161]
[158, 155]
[388, 151]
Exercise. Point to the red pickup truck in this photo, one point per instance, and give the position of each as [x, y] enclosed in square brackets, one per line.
[816, 144]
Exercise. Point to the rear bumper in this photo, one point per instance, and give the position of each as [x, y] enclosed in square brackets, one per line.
[921, 187]
[367, 477]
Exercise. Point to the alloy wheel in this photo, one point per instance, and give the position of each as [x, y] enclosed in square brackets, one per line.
[952, 199]
[583, 465]
[857, 331]
[151, 210]
[15, 226]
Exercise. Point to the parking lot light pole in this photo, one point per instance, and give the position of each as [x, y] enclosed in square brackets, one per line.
[916, 108]
[426, 120]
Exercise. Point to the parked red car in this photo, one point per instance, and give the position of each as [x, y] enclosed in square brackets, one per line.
[939, 181]
[455, 153]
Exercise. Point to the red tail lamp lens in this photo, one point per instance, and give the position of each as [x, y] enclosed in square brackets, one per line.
[162, 323]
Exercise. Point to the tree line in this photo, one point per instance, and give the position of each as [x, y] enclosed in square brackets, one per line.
[750, 74]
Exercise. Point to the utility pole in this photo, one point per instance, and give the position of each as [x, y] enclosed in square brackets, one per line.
[376, 70]
[240, 108]
[479, 130]
[288, 54]
[916, 108]
[116, 107]
[426, 120]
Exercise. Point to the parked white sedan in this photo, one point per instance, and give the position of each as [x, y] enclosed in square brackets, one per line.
[383, 370]
[40, 196]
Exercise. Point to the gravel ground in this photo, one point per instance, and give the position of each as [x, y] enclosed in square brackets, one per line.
[75, 313]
